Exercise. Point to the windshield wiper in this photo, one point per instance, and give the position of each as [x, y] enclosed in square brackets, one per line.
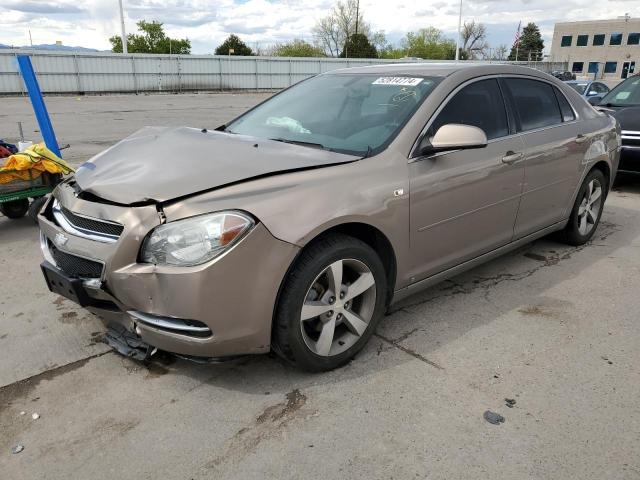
[302, 143]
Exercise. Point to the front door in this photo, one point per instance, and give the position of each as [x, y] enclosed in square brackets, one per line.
[625, 70]
[463, 203]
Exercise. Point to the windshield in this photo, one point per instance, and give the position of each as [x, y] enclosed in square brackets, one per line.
[625, 94]
[579, 87]
[350, 113]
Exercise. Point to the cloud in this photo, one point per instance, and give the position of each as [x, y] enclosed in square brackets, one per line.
[35, 6]
[208, 22]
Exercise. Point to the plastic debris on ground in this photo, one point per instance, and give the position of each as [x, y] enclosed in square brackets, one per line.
[493, 417]
[17, 449]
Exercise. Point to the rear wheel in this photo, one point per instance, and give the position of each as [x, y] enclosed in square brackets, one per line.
[330, 304]
[587, 209]
[15, 208]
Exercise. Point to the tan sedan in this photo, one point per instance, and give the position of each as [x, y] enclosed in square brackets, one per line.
[296, 225]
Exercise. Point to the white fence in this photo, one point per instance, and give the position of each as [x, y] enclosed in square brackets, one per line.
[72, 73]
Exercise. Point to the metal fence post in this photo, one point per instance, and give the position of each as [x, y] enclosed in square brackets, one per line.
[135, 76]
[179, 75]
[256, 65]
[75, 63]
[290, 74]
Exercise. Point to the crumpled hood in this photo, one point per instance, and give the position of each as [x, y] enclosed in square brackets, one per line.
[163, 163]
[629, 118]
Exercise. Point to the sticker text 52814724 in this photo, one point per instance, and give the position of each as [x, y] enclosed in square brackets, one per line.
[405, 81]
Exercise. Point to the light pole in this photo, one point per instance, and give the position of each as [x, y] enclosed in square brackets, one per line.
[458, 38]
[123, 34]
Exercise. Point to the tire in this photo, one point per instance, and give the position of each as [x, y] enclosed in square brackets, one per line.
[583, 223]
[350, 319]
[15, 208]
[35, 208]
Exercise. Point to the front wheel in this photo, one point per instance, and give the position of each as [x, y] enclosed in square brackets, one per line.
[330, 304]
[15, 208]
[587, 209]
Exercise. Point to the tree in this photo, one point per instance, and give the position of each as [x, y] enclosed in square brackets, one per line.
[429, 43]
[379, 40]
[152, 40]
[500, 52]
[332, 31]
[234, 43]
[297, 48]
[358, 46]
[474, 39]
[530, 45]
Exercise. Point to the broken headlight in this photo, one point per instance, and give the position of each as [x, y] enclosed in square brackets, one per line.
[194, 240]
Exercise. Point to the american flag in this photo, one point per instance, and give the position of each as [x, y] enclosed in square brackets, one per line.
[516, 41]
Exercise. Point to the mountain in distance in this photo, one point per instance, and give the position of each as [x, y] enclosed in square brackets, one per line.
[52, 46]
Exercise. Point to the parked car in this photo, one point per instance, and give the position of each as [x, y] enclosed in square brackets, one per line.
[589, 89]
[623, 103]
[563, 75]
[297, 224]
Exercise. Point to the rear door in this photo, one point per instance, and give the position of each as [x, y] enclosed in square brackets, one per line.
[553, 151]
[463, 203]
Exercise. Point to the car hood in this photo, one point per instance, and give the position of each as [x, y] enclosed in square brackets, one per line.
[157, 164]
[629, 117]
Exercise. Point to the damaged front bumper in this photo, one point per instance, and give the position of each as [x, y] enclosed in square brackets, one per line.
[221, 308]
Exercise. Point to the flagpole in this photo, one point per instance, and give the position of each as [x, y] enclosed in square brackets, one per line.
[518, 39]
[458, 39]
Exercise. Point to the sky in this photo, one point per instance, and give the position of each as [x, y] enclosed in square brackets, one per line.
[90, 23]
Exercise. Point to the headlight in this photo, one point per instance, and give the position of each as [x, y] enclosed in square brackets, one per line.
[194, 240]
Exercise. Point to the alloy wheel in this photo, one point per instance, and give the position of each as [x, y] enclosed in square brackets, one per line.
[589, 208]
[338, 307]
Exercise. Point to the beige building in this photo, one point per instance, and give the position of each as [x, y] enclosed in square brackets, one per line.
[608, 49]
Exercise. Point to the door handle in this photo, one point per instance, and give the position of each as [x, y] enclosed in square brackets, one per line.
[512, 157]
[581, 138]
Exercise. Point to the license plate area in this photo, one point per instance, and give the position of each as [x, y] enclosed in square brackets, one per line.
[61, 284]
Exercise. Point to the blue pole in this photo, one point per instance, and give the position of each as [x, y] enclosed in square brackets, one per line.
[37, 102]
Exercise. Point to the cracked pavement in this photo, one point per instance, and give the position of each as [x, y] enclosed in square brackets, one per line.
[551, 328]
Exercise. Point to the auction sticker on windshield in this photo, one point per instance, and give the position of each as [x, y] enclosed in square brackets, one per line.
[407, 81]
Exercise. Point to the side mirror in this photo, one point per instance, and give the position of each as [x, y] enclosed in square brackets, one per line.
[454, 136]
[591, 93]
[594, 100]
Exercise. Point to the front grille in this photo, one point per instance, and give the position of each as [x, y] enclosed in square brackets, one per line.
[631, 138]
[92, 225]
[74, 266]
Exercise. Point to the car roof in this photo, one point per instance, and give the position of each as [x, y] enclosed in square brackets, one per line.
[437, 69]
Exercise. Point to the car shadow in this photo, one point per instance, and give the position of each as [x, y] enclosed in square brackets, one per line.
[268, 374]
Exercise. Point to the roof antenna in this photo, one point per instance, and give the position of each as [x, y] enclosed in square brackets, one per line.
[204, 130]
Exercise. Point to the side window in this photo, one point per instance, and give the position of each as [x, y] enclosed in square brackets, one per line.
[535, 103]
[480, 105]
[565, 108]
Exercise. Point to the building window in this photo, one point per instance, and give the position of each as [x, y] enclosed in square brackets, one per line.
[616, 39]
[566, 41]
[633, 39]
[577, 67]
[598, 39]
[610, 67]
[593, 67]
[583, 40]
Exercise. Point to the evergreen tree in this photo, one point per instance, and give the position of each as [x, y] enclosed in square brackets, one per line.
[358, 46]
[530, 45]
[234, 43]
